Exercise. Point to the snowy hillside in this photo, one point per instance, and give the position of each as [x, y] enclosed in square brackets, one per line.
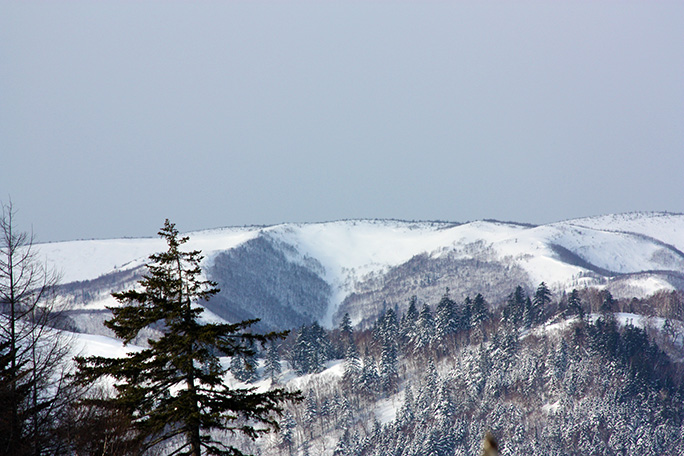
[291, 274]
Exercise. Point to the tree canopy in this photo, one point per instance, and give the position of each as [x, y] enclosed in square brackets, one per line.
[174, 390]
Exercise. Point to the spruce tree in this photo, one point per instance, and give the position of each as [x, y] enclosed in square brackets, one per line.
[446, 320]
[352, 367]
[542, 298]
[389, 373]
[272, 366]
[346, 332]
[174, 390]
[407, 328]
[575, 305]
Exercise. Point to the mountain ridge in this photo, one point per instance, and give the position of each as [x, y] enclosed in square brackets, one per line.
[319, 271]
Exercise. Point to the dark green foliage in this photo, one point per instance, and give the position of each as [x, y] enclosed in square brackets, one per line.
[386, 329]
[607, 302]
[514, 309]
[478, 311]
[407, 329]
[13, 391]
[312, 348]
[244, 367]
[446, 318]
[640, 359]
[35, 390]
[425, 330]
[174, 389]
[579, 388]
[369, 382]
[352, 367]
[346, 326]
[574, 305]
[535, 312]
[389, 371]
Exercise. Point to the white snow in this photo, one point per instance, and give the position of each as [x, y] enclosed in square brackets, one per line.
[89, 259]
[664, 226]
[350, 250]
[92, 345]
[386, 409]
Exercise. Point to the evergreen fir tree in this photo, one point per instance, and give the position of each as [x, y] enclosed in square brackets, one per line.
[346, 331]
[574, 305]
[244, 367]
[175, 387]
[312, 348]
[370, 380]
[542, 298]
[466, 314]
[607, 302]
[344, 445]
[446, 320]
[389, 374]
[287, 431]
[406, 412]
[407, 330]
[514, 309]
[310, 413]
[352, 367]
[479, 313]
[272, 367]
[425, 330]
[386, 329]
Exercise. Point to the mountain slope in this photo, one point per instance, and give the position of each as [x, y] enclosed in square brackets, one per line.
[292, 274]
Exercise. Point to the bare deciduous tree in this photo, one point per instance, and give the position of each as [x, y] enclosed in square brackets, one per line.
[34, 376]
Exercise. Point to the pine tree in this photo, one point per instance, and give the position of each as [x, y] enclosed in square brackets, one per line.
[607, 302]
[174, 389]
[466, 314]
[386, 329]
[406, 412]
[514, 309]
[479, 314]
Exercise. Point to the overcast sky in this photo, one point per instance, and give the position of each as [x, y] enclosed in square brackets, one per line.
[117, 115]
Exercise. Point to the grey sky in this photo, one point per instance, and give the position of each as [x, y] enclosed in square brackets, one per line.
[116, 115]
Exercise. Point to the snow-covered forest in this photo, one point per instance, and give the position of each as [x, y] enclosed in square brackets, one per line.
[576, 374]
[402, 339]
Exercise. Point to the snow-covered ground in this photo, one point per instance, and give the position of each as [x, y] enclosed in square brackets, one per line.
[350, 250]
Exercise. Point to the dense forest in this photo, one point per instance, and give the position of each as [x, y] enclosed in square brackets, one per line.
[578, 374]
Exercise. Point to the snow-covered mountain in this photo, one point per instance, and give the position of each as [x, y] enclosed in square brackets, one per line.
[291, 274]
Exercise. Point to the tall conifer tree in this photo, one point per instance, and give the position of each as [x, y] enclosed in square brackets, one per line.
[174, 390]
